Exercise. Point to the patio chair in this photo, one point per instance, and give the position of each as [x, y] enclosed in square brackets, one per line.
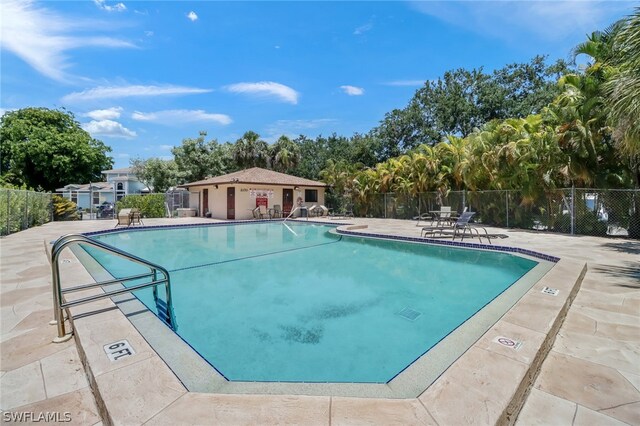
[444, 216]
[135, 217]
[124, 218]
[264, 213]
[277, 211]
[460, 227]
[312, 210]
[256, 213]
[323, 210]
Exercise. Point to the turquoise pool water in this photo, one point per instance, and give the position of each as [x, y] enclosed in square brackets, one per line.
[296, 303]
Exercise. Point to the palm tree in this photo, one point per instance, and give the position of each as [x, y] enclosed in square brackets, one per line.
[623, 92]
[453, 153]
[251, 151]
[284, 155]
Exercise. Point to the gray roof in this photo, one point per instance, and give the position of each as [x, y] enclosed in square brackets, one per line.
[123, 170]
[257, 175]
[97, 186]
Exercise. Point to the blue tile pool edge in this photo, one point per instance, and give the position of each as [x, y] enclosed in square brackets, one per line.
[421, 240]
[430, 241]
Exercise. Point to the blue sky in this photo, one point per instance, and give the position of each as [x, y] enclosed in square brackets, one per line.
[143, 75]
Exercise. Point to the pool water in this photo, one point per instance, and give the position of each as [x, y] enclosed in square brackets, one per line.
[296, 303]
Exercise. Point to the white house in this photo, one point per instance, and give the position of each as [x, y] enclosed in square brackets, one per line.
[235, 195]
[118, 183]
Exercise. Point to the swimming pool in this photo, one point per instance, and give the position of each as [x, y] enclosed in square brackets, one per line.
[294, 302]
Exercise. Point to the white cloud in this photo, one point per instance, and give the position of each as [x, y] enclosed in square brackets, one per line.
[292, 126]
[363, 29]
[266, 88]
[3, 111]
[405, 83]
[192, 16]
[148, 33]
[41, 38]
[181, 116]
[108, 128]
[121, 155]
[166, 147]
[118, 7]
[352, 90]
[104, 114]
[551, 20]
[111, 92]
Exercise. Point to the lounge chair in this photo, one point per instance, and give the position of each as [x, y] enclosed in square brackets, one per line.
[423, 217]
[342, 213]
[323, 210]
[312, 210]
[460, 227]
[277, 211]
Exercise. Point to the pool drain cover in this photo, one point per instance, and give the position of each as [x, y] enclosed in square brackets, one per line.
[410, 314]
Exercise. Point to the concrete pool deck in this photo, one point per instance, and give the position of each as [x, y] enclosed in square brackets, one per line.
[591, 375]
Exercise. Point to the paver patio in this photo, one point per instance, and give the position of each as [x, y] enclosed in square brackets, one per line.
[591, 376]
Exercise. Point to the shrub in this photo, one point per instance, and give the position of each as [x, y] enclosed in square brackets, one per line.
[64, 209]
[149, 205]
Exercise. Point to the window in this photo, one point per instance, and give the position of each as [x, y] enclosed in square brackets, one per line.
[96, 198]
[120, 187]
[74, 196]
[310, 195]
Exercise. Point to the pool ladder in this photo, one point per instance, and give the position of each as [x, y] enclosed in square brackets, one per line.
[165, 309]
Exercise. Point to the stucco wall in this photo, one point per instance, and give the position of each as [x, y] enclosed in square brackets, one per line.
[244, 203]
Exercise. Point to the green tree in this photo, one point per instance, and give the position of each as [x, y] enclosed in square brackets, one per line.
[463, 100]
[251, 151]
[284, 155]
[623, 92]
[157, 174]
[47, 149]
[196, 159]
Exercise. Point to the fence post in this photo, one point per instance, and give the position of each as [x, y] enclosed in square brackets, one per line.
[26, 210]
[8, 212]
[573, 210]
[506, 197]
[385, 205]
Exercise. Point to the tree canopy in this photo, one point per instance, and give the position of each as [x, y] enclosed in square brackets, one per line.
[463, 100]
[47, 149]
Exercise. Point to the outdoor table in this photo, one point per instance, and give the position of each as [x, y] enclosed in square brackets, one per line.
[452, 216]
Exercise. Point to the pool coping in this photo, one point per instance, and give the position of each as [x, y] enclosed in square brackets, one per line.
[566, 276]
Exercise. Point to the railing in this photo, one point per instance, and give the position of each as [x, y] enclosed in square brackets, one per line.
[165, 310]
[292, 212]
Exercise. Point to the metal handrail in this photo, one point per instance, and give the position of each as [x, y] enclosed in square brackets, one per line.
[291, 213]
[58, 304]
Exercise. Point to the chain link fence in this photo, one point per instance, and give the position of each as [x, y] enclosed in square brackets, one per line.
[577, 211]
[176, 199]
[21, 209]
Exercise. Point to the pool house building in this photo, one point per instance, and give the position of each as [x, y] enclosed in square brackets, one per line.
[235, 195]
